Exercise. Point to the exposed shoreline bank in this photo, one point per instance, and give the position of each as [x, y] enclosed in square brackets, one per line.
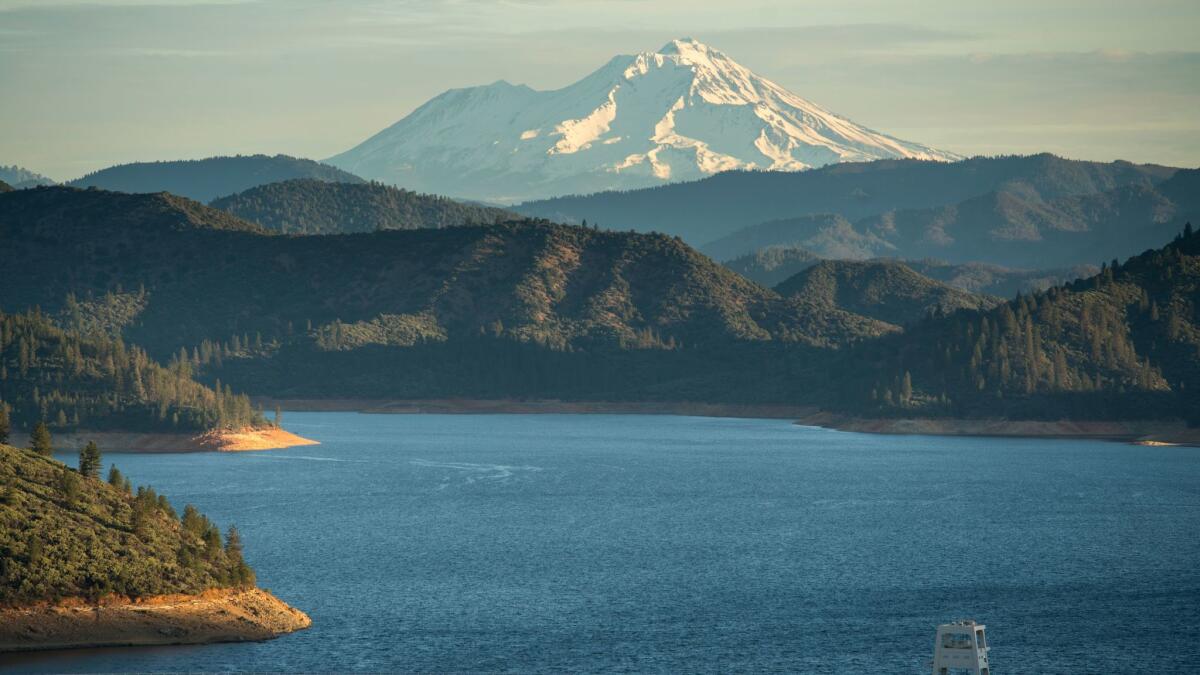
[1141, 432]
[212, 441]
[462, 406]
[212, 616]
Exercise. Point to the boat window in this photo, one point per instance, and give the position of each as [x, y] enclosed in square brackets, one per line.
[957, 641]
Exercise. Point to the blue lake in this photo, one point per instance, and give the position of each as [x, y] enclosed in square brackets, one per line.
[684, 544]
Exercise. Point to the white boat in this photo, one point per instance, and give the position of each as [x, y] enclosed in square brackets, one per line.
[961, 649]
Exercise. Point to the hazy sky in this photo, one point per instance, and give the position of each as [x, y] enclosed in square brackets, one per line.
[86, 84]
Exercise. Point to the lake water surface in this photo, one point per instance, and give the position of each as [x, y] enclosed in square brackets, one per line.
[684, 544]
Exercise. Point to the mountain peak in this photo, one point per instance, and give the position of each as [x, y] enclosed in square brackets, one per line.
[684, 45]
[681, 113]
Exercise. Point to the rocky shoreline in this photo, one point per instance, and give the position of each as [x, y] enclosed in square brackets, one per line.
[214, 616]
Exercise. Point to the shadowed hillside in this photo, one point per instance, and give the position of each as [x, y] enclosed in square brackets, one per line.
[826, 236]
[709, 209]
[478, 310]
[885, 290]
[1120, 345]
[207, 179]
[771, 265]
[999, 281]
[308, 206]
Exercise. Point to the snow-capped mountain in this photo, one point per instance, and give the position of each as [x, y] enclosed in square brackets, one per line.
[683, 112]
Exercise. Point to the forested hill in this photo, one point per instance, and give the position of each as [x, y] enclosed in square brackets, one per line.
[1120, 345]
[72, 382]
[529, 280]
[309, 206]
[207, 179]
[886, 290]
[5, 187]
[708, 209]
[771, 265]
[534, 309]
[466, 310]
[67, 214]
[66, 534]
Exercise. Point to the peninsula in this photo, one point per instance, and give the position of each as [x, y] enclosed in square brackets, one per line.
[91, 562]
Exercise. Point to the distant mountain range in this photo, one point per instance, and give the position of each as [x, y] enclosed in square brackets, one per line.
[710, 209]
[20, 178]
[681, 113]
[207, 179]
[309, 206]
[1006, 228]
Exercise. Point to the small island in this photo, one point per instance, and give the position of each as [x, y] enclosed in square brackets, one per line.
[88, 561]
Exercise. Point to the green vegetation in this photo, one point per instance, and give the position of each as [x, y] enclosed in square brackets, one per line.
[770, 265]
[534, 309]
[57, 378]
[40, 441]
[880, 289]
[90, 461]
[207, 179]
[67, 535]
[308, 206]
[1120, 345]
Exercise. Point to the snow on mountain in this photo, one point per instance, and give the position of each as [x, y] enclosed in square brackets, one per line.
[681, 113]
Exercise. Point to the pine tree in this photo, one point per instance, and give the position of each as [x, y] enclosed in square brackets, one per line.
[115, 478]
[5, 422]
[278, 417]
[233, 544]
[40, 441]
[90, 461]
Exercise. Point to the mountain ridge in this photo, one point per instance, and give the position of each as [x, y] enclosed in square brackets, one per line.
[206, 179]
[705, 210]
[309, 206]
